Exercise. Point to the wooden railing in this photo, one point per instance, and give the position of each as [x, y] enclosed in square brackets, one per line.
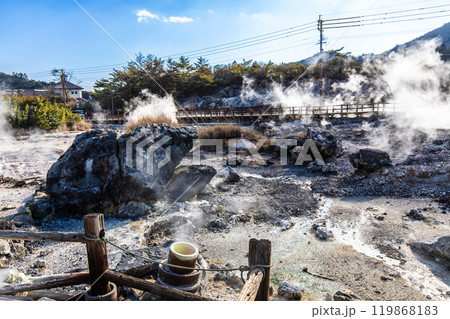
[99, 276]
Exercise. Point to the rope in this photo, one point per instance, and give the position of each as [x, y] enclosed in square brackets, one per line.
[95, 281]
[242, 269]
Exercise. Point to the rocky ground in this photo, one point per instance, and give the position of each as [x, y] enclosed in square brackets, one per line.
[333, 227]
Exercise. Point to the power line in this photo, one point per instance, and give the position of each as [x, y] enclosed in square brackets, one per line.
[251, 44]
[304, 26]
[379, 19]
[383, 7]
[385, 22]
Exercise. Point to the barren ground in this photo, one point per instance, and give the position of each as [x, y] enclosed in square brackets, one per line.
[366, 253]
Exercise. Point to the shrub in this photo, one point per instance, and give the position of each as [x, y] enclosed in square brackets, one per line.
[227, 132]
[37, 112]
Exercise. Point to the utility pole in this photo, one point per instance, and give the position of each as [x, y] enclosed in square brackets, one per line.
[63, 84]
[320, 28]
[112, 99]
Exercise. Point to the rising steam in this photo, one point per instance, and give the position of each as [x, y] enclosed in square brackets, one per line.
[151, 105]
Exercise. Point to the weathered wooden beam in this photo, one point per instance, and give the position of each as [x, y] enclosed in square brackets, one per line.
[70, 280]
[153, 288]
[42, 236]
[140, 271]
[38, 294]
[94, 229]
[251, 287]
[259, 253]
[15, 298]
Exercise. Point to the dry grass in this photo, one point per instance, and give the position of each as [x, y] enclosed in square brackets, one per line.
[76, 126]
[131, 126]
[226, 132]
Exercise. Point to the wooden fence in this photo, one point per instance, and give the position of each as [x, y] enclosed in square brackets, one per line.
[99, 275]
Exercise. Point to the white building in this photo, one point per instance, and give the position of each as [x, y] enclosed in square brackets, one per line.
[73, 90]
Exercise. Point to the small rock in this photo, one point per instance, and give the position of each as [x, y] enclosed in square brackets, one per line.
[385, 278]
[18, 250]
[380, 218]
[370, 160]
[4, 247]
[283, 224]
[39, 264]
[289, 290]
[345, 295]
[415, 215]
[133, 210]
[188, 181]
[231, 175]
[217, 224]
[322, 234]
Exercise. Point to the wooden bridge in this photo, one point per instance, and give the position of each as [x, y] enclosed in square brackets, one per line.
[267, 112]
[260, 113]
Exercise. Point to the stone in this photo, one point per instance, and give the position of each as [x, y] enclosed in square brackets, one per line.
[283, 224]
[322, 234]
[133, 210]
[83, 178]
[231, 175]
[39, 264]
[101, 171]
[5, 249]
[437, 247]
[415, 215]
[41, 208]
[217, 224]
[345, 295]
[289, 290]
[188, 181]
[18, 250]
[327, 144]
[370, 160]
[146, 181]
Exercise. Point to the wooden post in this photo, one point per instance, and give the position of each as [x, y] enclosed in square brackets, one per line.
[94, 228]
[251, 287]
[259, 253]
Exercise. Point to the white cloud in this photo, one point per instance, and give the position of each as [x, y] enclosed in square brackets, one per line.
[143, 15]
[259, 15]
[178, 19]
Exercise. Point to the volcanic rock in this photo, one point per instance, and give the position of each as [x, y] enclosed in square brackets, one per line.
[436, 247]
[188, 181]
[232, 176]
[165, 148]
[4, 247]
[100, 171]
[345, 295]
[327, 144]
[370, 160]
[83, 179]
[289, 290]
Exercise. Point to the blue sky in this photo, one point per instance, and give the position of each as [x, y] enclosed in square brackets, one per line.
[37, 36]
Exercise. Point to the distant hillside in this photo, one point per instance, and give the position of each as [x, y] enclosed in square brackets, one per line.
[443, 33]
[20, 81]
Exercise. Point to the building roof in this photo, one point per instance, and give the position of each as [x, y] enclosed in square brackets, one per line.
[68, 85]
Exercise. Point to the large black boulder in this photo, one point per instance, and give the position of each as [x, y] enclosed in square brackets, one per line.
[165, 147]
[84, 178]
[370, 160]
[327, 143]
[101, 171]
